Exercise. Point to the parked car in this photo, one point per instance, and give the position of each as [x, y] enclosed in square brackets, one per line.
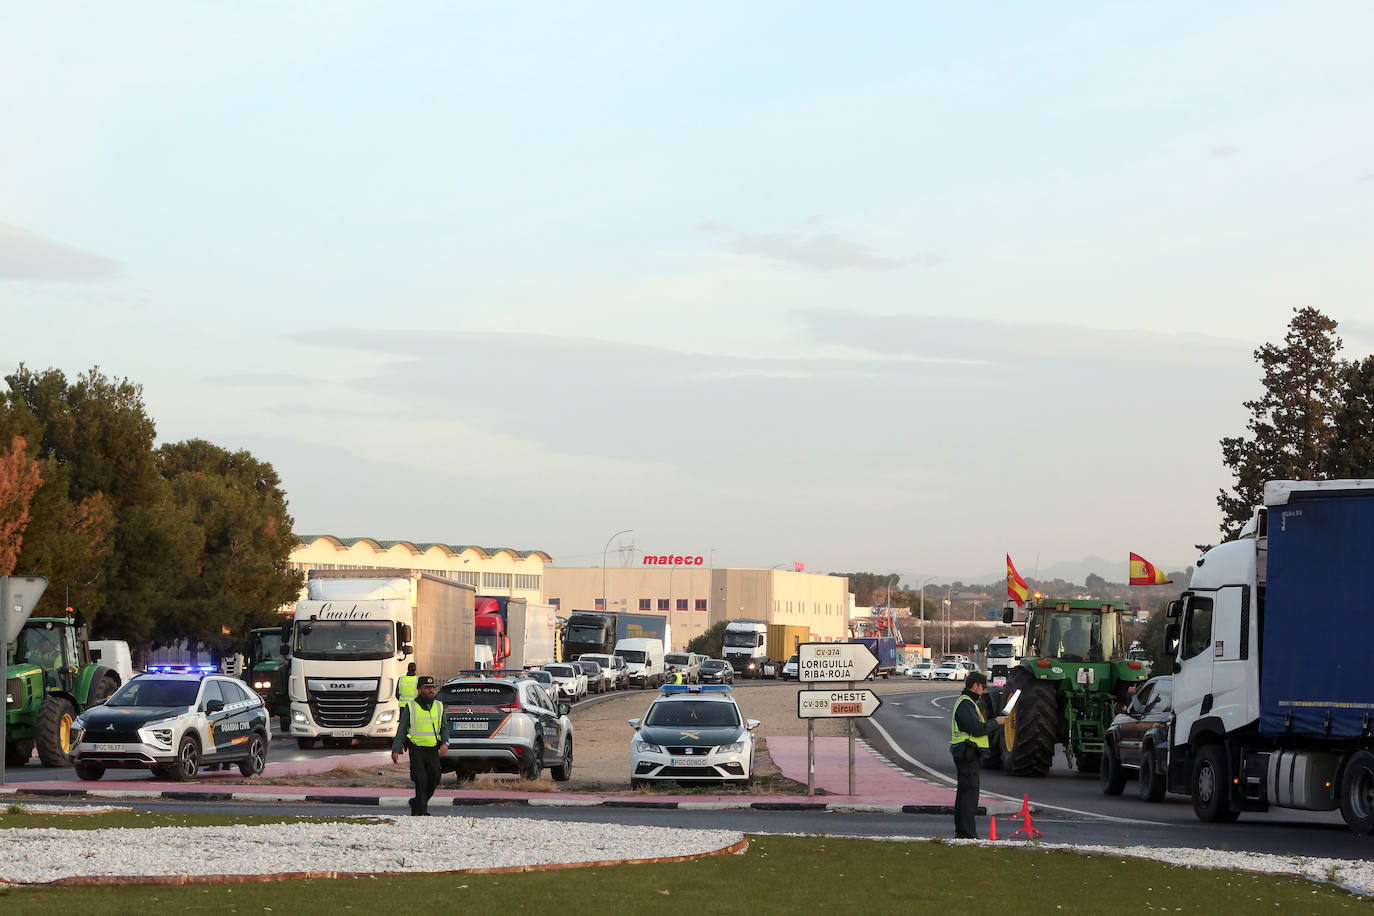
[173, 724]
[613, 666]
[922, 671]
[1138, 741]
[571, 682]
[596, 678]
[717, 671]
[546, 681]
[789, 668]
[689, 663]
[695, 735]
[505, 725]
[949, 671]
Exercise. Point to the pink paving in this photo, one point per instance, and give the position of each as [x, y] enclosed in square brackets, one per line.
[875, 780]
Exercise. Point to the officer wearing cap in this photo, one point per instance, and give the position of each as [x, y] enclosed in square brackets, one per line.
[968, 744]
[423, 732]
[408, 687]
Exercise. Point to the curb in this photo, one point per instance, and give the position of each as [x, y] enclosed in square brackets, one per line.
[400, 801]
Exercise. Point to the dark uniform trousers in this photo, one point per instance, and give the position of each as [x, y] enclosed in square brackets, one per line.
[969, 766]
[425, 773]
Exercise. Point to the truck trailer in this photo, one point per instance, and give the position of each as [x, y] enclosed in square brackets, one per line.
[353, 637]
[783, 640]
[1273, 692]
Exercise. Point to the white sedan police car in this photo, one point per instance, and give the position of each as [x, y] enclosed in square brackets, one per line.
[693, 734]
[173, 724]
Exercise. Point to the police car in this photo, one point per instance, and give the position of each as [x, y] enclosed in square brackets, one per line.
[173, 724]
[693, 734]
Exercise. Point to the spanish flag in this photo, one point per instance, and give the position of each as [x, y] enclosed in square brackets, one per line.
[224, 631]
[1016, 586]
[1143, 572]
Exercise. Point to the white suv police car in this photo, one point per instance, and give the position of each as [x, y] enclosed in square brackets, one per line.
[693, 734]
[173, 724]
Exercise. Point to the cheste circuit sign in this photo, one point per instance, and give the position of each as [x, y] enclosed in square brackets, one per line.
[671, 560]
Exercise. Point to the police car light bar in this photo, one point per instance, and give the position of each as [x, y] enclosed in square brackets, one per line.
[695, 688]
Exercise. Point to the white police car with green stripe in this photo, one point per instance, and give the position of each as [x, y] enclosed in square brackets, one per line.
[693, 734]
[173, 724]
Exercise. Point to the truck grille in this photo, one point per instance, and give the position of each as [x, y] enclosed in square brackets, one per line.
[342, 710]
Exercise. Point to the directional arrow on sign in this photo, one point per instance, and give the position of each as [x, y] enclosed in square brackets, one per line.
[837, 704]
[834, 661]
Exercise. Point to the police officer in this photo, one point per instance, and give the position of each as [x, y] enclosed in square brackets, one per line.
[424, 733]
[968, 744]
[408, 687]
[674, 675]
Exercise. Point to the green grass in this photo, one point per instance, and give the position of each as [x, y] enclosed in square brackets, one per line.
[777, 874]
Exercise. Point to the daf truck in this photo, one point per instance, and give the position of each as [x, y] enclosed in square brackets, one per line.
[354, 635]
[1273, 692]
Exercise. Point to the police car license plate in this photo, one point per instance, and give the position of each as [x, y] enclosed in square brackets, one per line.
[109, 747]
[469, 726]
[341, 734]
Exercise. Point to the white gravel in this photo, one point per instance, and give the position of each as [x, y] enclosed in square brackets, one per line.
[407, 845]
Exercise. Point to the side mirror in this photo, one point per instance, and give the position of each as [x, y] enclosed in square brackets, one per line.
[1006, 615]
[634, 723]
[213, 706]
[1171, 633]
[751, 724]
[407, 650]
[1175, 609]
[564, 709]
[406, 636]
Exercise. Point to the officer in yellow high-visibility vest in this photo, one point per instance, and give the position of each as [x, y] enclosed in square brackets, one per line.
[423, 733]
[968, 743]
[408, 687]
[674, 676]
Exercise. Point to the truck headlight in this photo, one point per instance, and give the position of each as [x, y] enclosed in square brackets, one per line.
[644, 747]
[385, 717]
[298, 716]
[262, 685]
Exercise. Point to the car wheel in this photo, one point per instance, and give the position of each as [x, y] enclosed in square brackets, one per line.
[1113, 777]
[89, 772]
[1151, 785]
[563, 772]
[256, 761]
[536, 764]
[188, 760]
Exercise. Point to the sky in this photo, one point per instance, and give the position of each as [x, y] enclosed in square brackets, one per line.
[879, 286]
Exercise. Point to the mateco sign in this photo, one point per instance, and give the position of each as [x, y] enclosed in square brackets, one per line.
[834, 661]
[672, 560]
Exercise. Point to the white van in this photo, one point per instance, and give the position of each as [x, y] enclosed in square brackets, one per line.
[113, 653]
[643, 661]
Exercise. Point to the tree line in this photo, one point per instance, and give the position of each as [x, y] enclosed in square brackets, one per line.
[151, 544]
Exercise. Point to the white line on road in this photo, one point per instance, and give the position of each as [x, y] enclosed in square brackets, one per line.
[948, 780]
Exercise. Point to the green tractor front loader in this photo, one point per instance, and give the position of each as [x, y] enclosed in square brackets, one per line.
[49, 681]
[1073, 680]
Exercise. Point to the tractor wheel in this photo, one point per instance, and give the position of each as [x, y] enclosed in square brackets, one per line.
[1209, 786]
[55, 732]
[17, 753]
[1032, 728]
[106, 688]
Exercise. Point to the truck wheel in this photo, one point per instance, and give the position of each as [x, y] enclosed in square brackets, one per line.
[1357, 793]
[89, 772]
[256, 761]
[17, 753]
[285, 724]
[1151, 784]
[1112, 773]
[1031, 731]
[536, 764]
[55, 732]
[188, 760]
[305, 744]
[563, 772]
[1209, 782]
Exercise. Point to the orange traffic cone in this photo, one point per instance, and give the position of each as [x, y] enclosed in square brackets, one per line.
[992, 831]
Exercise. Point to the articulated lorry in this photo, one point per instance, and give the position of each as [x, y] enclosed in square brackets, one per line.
[354, 635]
[596, 632]
[745, 646]
[1273, 690]
[519, 634]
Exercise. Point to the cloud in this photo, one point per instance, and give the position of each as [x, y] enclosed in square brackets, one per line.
[805, 247]
[26, 255]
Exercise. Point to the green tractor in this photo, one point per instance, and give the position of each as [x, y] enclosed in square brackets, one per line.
[1074, 679]
[267, 668]
[49, 681]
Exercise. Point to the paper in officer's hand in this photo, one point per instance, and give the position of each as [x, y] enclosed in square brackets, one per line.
[1011, 703]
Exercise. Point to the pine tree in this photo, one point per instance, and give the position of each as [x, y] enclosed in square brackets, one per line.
[1292, 426]
[1352, 446]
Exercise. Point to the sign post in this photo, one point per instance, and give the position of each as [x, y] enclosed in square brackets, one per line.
[22, 592]
[819, 662]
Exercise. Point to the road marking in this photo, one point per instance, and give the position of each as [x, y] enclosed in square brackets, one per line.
[913, 716]
[950, 781]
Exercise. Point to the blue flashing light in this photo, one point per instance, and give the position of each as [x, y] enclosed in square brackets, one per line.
[695, 688]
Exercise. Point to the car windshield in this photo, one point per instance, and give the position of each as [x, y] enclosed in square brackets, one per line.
[560, 670]
[265, 647]
[37, 645]
[589, 667]
[712, 664]
[633, 656]
[542, 677]
[147, 692]
[676, 658]
[699, 713]
[924, 665]
[355, 640]
[477, 695]
[602, 660]
[579, 633]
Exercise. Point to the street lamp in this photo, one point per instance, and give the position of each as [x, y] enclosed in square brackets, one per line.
[924, 582]
[605, 598]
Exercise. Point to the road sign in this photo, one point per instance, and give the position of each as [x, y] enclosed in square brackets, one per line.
[23, 594]
[834, 661]
[837, 704]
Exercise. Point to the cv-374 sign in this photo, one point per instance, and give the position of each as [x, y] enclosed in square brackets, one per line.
[834, 661]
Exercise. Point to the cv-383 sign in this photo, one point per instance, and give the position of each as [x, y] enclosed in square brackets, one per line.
[834, 661]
